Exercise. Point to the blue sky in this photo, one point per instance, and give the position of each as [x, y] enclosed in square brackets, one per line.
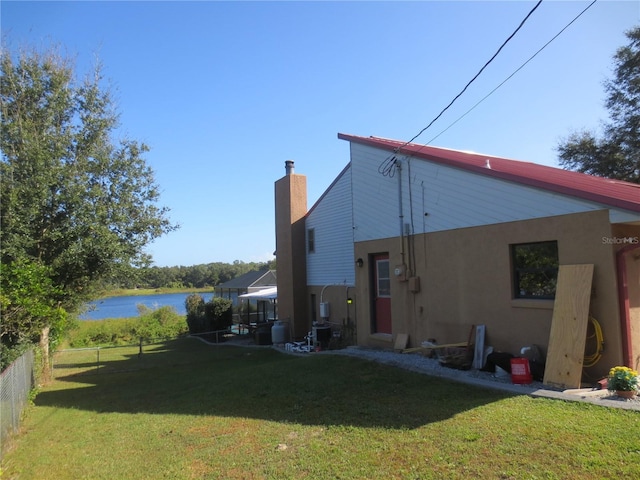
[225, 92]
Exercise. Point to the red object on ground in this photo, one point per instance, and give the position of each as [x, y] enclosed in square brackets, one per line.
[520, 372]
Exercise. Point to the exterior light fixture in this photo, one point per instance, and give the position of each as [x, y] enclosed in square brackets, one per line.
[359, 263]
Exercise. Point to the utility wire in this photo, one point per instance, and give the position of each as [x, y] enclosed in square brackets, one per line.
[387, 168]
[516, 71]
[476, 75]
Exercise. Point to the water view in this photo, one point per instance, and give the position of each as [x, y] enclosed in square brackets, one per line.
[127, 306]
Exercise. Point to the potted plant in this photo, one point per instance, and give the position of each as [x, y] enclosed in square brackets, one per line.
[623, 381]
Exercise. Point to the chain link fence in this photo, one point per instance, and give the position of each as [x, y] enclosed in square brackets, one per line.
[15, 384]
[120, 358]
[17, 381]
[105, 359]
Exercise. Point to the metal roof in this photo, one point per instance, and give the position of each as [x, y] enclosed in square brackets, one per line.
[256, 278]
[614, 193]
[270, 293]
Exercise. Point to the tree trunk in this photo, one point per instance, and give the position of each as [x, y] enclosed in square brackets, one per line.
[44, 348]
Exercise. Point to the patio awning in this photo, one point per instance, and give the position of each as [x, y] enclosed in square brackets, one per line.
[264, 294]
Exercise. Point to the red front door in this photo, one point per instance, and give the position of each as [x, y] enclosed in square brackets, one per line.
[382, 294]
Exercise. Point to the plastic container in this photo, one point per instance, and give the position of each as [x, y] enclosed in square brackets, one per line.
[520, 371]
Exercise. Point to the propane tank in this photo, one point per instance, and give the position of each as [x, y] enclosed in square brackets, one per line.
[279, 332]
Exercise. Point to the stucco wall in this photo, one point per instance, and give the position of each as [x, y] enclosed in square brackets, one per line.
[342, 316]
[291, 207]
[465, 278]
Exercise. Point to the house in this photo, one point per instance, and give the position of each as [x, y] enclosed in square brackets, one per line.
[249, 282]
[256, 286]
[426, 241]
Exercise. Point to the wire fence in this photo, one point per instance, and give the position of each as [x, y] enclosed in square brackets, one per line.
[16, 382]
[119, 358]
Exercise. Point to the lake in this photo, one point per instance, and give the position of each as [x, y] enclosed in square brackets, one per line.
[126, 306]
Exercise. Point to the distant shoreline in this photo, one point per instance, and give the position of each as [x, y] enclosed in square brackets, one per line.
[133, 292]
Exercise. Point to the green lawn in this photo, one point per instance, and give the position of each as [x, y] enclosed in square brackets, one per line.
[188, 410]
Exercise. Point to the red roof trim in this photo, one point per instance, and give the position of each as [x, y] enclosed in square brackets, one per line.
[614, 193]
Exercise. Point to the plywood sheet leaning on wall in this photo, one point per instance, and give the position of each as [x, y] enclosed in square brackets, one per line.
[567, 338]
[402, 339]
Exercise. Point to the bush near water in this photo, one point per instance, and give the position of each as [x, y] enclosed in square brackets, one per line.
[151, 324]
[211, 316]
[154, 324]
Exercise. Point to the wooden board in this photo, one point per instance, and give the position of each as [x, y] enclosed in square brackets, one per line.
[401, 341]
[436, 347]
[478, 353]
[569, 326]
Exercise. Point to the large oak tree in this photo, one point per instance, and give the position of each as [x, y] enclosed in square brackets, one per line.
[616, 154]
[76, 202]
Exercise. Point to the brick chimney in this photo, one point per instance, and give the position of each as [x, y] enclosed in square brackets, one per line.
[291, 208]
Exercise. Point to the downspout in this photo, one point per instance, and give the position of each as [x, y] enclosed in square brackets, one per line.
[401, 215]
[623, 302]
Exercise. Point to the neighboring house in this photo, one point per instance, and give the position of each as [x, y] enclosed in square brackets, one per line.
[254, 296]
[425, 241]
[250, 282]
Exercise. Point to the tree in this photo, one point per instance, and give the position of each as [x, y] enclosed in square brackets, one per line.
[28, 308]
[617, 154]
[74, 201]
[208, 317]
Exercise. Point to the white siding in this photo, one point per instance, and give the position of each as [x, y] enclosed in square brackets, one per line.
[331, 218]
[453, 198]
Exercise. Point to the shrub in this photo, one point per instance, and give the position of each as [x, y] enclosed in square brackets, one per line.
[194, 304]
[9, 354]
[219, 313]
[216, 314]
[161, 323]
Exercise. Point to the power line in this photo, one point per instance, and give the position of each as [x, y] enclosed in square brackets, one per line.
[476, 75]
[516, 71]
[387, 168]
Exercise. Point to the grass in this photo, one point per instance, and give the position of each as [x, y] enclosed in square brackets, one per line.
[188, 410]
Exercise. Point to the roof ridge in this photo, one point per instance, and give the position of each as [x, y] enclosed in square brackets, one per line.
[611, 192]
